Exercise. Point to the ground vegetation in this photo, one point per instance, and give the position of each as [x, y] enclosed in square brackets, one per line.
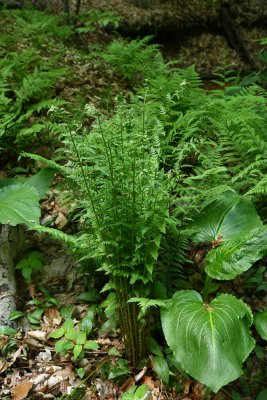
[133, 217]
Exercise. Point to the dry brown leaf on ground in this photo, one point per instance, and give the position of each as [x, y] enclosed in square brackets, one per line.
[52, 317]
[32, 343]
[61, 221]
[140, 375]
[37, 335]
[6, 364]
[66, 373]
[44, 356]
[187, 386]
[149, 382]
[21, 390]
[198, 391]
[3, 365]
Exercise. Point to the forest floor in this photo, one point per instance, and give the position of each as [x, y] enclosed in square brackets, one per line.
[30, 368]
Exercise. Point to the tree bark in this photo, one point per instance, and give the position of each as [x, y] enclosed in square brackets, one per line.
[11, 243]
[234, 38]
[78, 6]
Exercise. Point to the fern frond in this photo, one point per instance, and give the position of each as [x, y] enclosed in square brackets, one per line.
[49, 163]
[56, 234]
[145, 304]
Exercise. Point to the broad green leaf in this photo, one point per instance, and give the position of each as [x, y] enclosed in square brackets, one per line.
[237, 255]
[87, 324]
[41, 180]
[162, 368]
[92, 295]
[27, 273]
[210, 341]
[71, 334]
[57, 333]
[11, 181]
[119, 369]
[153, 346]
[7, 330]
[141, 392]
[51, 301]
[77, 350]
[261, 324]
[15, 315]
[68, 325]
[19, 205]
[63, 346]
[66, 312]
[235, 395]
[226, 217]
[22, 264]
[91, 345]
[38, 265]
[35, 316]
[81, 338]
[80, 372]
[262, 395]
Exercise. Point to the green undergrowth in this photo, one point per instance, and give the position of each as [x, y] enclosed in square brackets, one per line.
[168, 190]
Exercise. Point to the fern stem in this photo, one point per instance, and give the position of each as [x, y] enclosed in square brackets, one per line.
[131, 329]
[133, 208]
[87, 186]
[111, 172]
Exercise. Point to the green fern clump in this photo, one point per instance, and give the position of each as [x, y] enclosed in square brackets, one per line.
[210, 139]
[29, 77]
[134, 60]
[22, 99]
[119, 183]
[126, 192]
[31, 28]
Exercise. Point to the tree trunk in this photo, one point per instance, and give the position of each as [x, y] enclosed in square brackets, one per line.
[233, 36]
[11, 243]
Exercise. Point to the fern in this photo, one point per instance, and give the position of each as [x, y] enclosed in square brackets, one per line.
[31, 95]
[134, 58]
[57, 235]
[50, 163]
[34, 28]
[172, 259]
[145, 304]
[29, 77]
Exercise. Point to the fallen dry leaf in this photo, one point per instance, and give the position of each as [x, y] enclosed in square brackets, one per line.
[61, 221]
[197, 391]
[187, 386]
[21, 390]
[38, 335]
[3, 365]
[149, 382]
[140, 375]
[44, 355]
[52, 317]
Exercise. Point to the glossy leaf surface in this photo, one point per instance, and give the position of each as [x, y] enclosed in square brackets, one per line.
[261, 324]
[19, 205]
[210, 341]
[237, 255]
[226, 217]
